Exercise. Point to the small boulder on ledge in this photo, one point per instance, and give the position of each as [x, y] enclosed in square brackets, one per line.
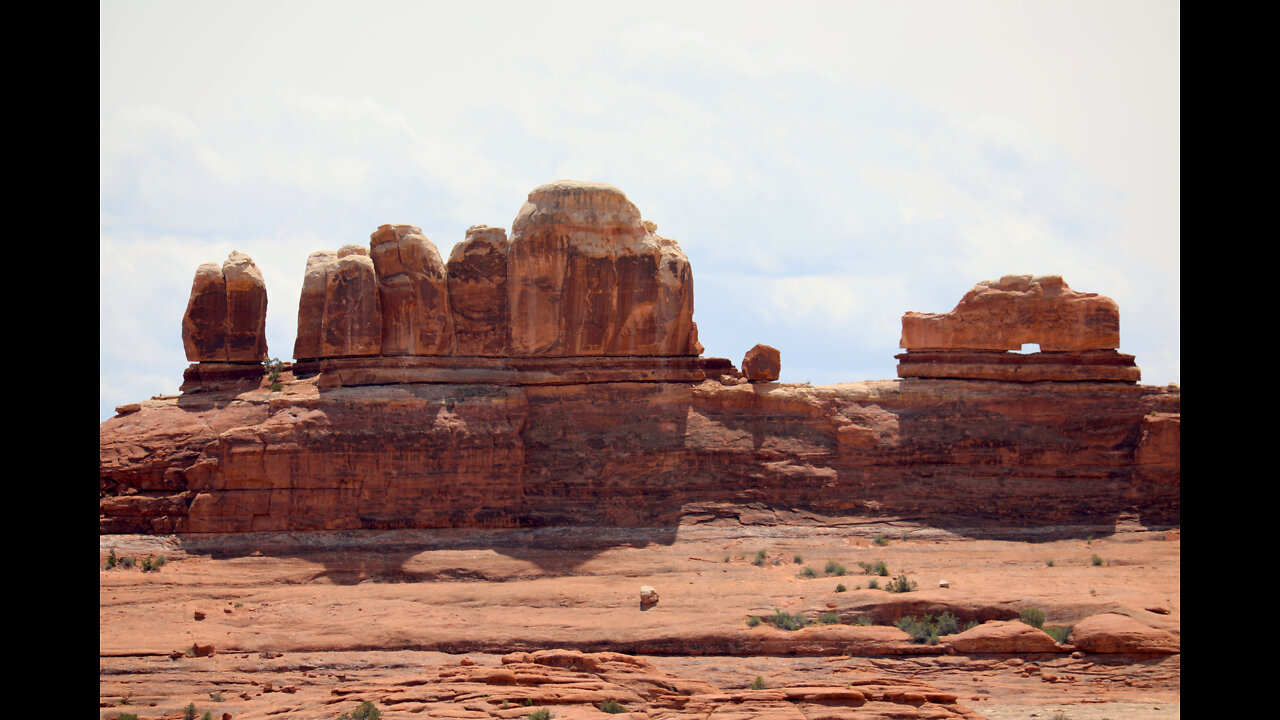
[648, 597]
[762, 364]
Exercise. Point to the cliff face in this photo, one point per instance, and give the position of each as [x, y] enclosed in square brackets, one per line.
[964, 453]
[555, 379]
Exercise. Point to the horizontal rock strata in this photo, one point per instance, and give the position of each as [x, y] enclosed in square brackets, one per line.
[1089, 366]
[960, 453]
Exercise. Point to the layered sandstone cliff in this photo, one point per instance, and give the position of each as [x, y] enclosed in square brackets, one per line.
[554, 378]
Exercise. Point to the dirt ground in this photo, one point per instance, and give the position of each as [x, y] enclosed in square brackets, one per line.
[293, 618]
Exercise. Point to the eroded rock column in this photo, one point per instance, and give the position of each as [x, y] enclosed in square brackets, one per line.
[478, 292]
[226, 314]
[413, 293]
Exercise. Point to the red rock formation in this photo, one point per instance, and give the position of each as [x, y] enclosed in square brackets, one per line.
[226, 314]
[478, 292]
[762, 364]
[413, 293]
[1113, 633]
[339, 313]
[1018, 309]
[588, 277]
[968, 454]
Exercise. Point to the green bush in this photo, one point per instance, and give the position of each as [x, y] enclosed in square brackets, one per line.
[111, 559]
[759, 558]
[829, 618]
[758, 683]
[1095, 559]
[873, 585]
[613, 707]
[901, 584]
[1059, 633]
[928, 629]
[797, 560]
[127, 716]
[808, 572]
[876, 568]
[127, 561]
[366, 711]
[861, 620]
[189, 712]
[784, 620]
[217, 697]
[540, 714]
[880, 540]
[1032, 616]
[753, 621]
[835, 568]
[841, 588]
[1049, 562]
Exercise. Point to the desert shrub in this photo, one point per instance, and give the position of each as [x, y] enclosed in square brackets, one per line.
[841, 588]
[1032, 616]
[834, 568]
[1049, 562]
[948, 624]
[127, 716]
[189, 712]
[111, 559]
[880, 540]
[758, 683]
[901, 584]
[808, 572]
[876, 568]
[829, 618]
[753, 621]
[928, 629]
[873, 585]
[217, 697]
[613, 707]
[861, 620]
[540, 714]
[1095, 559]
[1059, 633]
[784, 620]
[1060, 716]
[151, 563]
[797, 560]
[759, 558]
[366, 711]
[127, 561]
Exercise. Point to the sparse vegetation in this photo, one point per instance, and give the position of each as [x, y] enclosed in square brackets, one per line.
[901, 584]
[784, 620]
[1059, 633]
[189, 712]
[880, 540]
[829, 618]
[1095, 559]
[273, 367]
[1033, 617]
[861, 620]
[760, 555]
[540, 714]
[111, 559]
[366, 711]
[928, 629]
[152, 563]
[217, 697]
[758, 683]
[613, 707]
[835, 568]
[808, 572]
[127, 561]
[797, 559]
[127, 716]
[873, 585]
[1049, 562]
[753, 621]
[841, 588]
[1060, 716]
[874, 568]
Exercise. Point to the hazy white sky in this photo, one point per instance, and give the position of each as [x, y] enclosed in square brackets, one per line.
[826, 166]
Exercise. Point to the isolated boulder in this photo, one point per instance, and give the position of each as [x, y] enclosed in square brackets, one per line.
[762, 364]
[1114, 633]
[1003, 636]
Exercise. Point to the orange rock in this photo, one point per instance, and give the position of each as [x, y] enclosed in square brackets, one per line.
[1114, 633]
[1002, 636]
[1018, 309]
[762, 364]
[478, 292]
[413, 292]
[225, 320]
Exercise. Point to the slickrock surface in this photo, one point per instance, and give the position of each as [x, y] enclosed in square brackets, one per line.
[226, 314]
[455, 623]
[1016, 309]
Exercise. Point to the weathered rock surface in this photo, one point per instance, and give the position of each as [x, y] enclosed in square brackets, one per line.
[963, 453]
[478, 292]
[226, 314]
[762, 363]
[1018, 309]
[587, 276]
[413, 293]
[1008, 636]
[339, 313]
[1115, 633]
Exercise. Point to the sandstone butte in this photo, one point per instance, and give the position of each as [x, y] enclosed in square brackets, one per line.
[536, 404]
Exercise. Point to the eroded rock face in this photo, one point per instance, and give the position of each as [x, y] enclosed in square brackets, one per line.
[478, 292]
[413, 292]
[587, 276]
[339, 312]
[1018, 309]
[226, 314]
[1114, 633]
